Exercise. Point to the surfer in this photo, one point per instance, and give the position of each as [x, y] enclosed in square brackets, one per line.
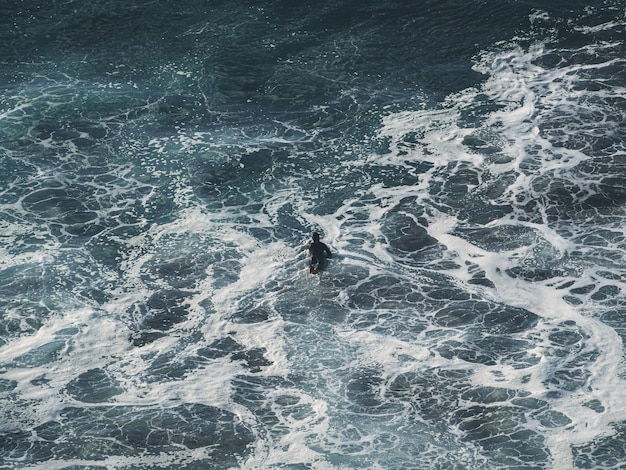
[319, 251]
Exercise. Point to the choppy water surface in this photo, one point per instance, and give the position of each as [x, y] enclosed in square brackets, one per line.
[163, 166]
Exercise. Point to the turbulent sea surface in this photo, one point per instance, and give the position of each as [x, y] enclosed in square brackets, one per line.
[163, 164]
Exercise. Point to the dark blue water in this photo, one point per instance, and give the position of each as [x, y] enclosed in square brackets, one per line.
[165, 163]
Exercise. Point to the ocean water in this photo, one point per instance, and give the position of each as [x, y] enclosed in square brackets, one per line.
[163, 164]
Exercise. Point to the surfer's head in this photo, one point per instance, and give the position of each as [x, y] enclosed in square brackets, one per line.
[315, 237]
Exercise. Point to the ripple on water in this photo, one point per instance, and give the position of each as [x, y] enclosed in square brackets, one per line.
[124, 431]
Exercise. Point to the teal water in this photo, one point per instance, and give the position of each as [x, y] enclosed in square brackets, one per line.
[165, 163]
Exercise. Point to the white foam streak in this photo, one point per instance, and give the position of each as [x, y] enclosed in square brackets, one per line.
[395, 356]
[441, 137]
[604, 383]
[66, 346]
[526, 96]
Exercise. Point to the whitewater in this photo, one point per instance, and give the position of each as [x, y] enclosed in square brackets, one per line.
[164, 165]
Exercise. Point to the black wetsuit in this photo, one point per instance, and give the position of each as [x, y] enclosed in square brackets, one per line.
[319, 252]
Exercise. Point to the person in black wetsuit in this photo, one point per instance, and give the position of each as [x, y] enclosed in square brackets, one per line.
[319, 252]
